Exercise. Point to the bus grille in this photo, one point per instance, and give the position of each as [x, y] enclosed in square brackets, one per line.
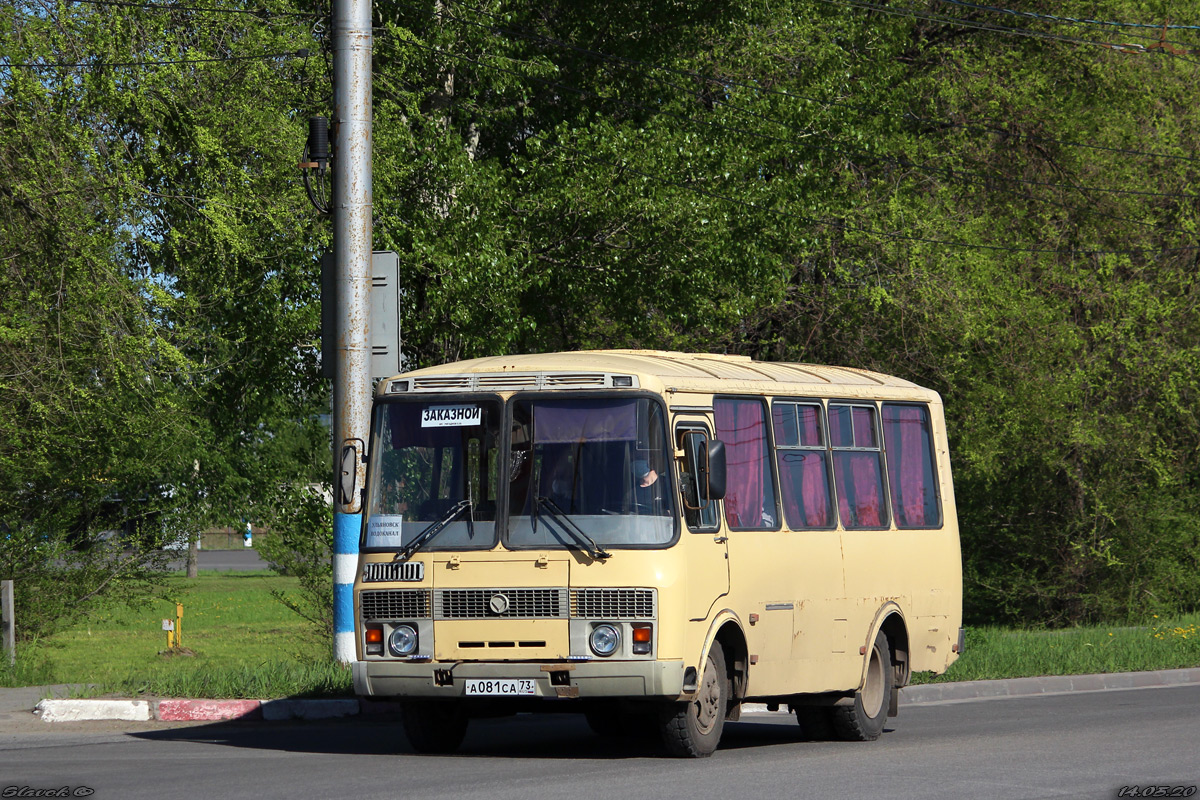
[395, 604]
[516, 604]
[613, 603]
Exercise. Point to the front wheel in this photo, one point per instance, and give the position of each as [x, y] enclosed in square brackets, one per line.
[862, 719]
[693, 729]
[434, 727]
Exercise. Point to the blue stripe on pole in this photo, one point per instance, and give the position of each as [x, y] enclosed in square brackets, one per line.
[343, 607]
[346, 528]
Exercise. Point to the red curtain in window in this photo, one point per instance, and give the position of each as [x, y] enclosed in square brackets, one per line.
[860, 489]
[906, 434]
[859, 474]
[741, 425]
[803, 477]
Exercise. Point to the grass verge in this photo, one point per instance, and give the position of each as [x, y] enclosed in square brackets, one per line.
[238, 641]
[244, 643]
[993, 653]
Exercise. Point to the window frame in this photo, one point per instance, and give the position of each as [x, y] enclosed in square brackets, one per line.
[937, 483]
[374, 462]
[769, 431]
[881, 454]
[683, 427]
[504, 517]
[824, 448]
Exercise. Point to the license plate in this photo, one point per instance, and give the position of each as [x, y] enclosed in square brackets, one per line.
[501, 686]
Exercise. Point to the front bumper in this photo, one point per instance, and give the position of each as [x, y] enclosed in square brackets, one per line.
[627, 679]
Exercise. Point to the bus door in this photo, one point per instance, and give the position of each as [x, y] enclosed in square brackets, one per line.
[706, 546]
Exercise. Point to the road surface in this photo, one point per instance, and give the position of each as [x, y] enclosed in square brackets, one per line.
[1081, 745]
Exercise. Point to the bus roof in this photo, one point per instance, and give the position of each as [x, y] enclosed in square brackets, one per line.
[687, 372]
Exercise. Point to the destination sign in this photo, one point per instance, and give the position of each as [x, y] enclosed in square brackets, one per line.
[450, 416]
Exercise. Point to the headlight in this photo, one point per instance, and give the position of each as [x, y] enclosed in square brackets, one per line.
[604, 640]
[403, 641]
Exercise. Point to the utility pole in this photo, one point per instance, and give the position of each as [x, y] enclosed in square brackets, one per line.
[352, 245]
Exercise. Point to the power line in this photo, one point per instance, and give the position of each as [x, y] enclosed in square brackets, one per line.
[101, 63]
[983, 26]
[261, 13]
[842, 226]
[726, 82]
[1006, 133]
[959, 175]
[854, 228]
[1073, 20]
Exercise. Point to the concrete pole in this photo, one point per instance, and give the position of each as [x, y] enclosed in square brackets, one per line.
[352, 246]
[8, 621]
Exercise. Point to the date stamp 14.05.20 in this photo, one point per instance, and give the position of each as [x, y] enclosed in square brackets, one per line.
[1156, 790]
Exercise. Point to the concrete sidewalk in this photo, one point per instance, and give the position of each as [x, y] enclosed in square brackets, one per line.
[57, 707]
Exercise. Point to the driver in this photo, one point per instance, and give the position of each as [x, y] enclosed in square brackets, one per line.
[646, 491]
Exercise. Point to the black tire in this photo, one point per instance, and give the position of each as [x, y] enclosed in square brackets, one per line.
[862, 719]
[816, 722]
[693, 729]
[620, 723]
[433, 727]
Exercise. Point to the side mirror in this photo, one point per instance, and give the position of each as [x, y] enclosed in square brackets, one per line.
[715, 476]
[348, 469]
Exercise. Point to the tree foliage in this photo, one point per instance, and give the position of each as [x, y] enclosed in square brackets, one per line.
[157, 298]
[1000, 207]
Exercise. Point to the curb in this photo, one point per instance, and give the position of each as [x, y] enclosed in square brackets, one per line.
[931, 693]
[967, 691]
[181, 710]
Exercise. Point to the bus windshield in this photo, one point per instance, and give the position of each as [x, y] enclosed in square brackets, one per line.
[435, 471]
[591, 466]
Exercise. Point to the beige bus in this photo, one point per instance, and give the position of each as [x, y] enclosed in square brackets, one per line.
[654, 539]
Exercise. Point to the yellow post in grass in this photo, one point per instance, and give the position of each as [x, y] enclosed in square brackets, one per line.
[169, 627]
[179, 624]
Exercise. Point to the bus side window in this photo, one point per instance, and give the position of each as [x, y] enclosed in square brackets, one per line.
[699, 513]
[912, 476]
[858, 466]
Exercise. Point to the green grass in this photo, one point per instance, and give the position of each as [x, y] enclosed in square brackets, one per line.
[240, 640]
[245, 643]
[993, 653]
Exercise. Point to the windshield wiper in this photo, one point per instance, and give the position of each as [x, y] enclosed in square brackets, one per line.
[585, 542]
[432, 530]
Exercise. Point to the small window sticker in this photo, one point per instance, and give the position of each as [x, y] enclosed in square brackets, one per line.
[385, 530]
[450, 416]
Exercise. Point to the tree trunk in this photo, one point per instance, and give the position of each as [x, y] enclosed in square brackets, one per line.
[193, 556]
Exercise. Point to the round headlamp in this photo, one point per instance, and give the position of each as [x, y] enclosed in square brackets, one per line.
[403, 641]
[605, 640]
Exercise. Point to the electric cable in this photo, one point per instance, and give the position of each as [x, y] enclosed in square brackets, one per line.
[261, 13]
[99, 63]
[1072, 20]
[843, 226]
[727, 82]
[841, 148]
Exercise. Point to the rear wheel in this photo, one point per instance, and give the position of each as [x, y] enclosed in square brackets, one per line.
[434, 727]
[693, 729]
[861, 718]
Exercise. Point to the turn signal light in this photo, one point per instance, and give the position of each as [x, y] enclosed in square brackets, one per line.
[374, 635]
[641, 640]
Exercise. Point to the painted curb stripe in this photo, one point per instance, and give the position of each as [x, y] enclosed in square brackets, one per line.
[180, 710]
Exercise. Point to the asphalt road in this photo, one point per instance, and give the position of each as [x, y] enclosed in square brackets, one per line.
[1082, 745]
[223, 561]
